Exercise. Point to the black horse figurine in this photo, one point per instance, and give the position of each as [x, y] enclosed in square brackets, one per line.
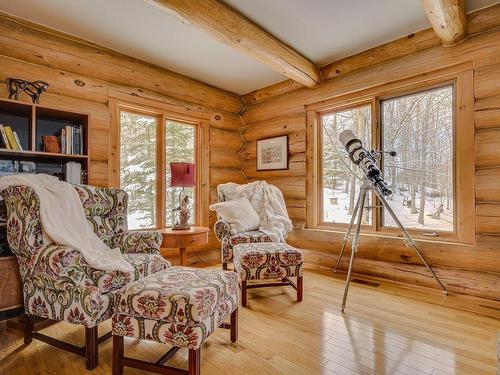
[33, 89]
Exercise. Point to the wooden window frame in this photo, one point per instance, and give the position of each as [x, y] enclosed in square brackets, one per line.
[461, 77]
[164, 112]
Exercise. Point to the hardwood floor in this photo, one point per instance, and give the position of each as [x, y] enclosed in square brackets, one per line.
[386, 329]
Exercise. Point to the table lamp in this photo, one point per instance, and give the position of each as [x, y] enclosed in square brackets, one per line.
[182, 174]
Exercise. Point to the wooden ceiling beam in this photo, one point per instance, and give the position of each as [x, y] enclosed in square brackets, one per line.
[448, 19]
[478, 21]
[230, 27]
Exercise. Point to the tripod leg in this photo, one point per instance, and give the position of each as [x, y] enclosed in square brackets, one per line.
[354, 247]
[349, 229]
[406, 235]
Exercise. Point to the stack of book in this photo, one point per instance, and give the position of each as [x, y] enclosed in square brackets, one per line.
[71, 140]
[9, 139]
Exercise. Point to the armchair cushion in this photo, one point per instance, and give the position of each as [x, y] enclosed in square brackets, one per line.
[144, 265]
[144, 242]
[253, 236]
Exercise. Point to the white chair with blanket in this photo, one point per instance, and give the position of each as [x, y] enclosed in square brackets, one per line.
[252, 228]
[249, 213]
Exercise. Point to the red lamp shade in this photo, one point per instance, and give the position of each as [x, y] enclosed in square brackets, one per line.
[182, 174]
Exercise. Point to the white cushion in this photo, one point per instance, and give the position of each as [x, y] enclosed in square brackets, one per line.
[239, 214]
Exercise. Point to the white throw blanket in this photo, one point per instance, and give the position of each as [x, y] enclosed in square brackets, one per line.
[267, 200]
[64, 221]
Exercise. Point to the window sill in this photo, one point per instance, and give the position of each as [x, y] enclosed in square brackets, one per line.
[367, 233]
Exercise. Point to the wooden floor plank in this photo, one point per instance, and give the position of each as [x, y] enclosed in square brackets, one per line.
[390, 329]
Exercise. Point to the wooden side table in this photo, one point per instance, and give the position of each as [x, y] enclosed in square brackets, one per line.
[184, 238]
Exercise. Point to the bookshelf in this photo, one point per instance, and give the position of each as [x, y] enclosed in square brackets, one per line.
[31, 122]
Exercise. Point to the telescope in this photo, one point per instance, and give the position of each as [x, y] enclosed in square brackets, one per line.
[365, 160]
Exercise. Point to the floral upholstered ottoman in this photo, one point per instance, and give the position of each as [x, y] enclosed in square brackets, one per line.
[179, 306]
[268, 261]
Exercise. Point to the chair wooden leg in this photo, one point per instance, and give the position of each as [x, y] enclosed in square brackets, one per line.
[194, 362]
[244, 293]
[300, 288]
[234, 325]
[91, 347]
[224, 266]
[29, 326]
[118, 354]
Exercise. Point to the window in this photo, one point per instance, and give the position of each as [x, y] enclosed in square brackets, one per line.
[148, 142]
[138, 167]
[179, 147]
[430, 125]
[341, 179]
[419, 127]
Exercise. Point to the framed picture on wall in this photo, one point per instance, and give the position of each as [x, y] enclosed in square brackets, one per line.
[272, 153]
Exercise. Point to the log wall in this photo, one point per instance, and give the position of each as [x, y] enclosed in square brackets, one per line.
[471, 269]
[84, 76]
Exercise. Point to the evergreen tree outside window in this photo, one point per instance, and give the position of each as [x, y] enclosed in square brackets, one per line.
[145, 153]
[138, 167]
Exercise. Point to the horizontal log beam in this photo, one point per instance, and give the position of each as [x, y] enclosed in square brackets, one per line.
[230, 27]
[479, 21]
[30, 42]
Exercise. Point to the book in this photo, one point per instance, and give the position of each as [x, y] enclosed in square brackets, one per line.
[62, 140]
[69, 139]
[3, 138]
[10, 137]
[18, 142]
[77, 140]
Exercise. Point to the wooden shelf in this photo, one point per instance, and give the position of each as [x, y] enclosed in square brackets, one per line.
[40, 154]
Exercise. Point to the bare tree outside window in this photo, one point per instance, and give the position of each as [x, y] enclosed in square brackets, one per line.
[420, 128]
[179, 147]
[341, 179]
[138, 167]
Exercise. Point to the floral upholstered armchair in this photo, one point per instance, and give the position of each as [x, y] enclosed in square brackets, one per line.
[57, 282]
[227, 239]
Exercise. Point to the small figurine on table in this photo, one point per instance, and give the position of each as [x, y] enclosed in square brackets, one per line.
[183, 209]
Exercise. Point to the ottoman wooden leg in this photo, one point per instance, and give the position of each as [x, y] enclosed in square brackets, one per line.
[300, 288]
[194, 362]
[29, 326]
[234, 325]
[117, 355]
[244, 293]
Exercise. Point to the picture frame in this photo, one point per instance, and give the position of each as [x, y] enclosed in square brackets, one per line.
[272, 153]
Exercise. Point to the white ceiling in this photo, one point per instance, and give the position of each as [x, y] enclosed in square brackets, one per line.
[322, 30]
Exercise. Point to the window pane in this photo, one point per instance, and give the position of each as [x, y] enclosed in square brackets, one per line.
[342, 179]
[138, 167]
[420, 128]
[180, 147]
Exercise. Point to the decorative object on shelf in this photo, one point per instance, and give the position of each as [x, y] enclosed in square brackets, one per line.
[27, 167]
[34, 89]
[272, 153]
[51, 144]
[182, 175]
